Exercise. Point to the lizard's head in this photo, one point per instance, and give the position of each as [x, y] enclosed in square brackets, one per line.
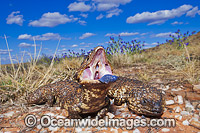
[146, 101]
[94, 66]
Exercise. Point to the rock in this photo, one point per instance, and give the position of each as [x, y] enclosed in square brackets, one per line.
[39, 126]
[110, 115]
[179, 117]
[192, 96]
[188, 106]
[178, 89]
[78, 129]
[177, 109]
[197, 88]
[186, 122]
[53, 128]
[165, 130]
[179, 99]
[166, 88]
[113, 130]
[9, 114]
[136, 131]
[184, 113]
[169, 102]
[138, 117]
[125, 115]
[195, 124]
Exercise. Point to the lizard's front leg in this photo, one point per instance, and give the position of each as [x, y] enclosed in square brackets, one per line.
[104, 110]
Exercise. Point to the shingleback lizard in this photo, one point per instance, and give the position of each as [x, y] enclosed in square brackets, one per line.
[89, 95]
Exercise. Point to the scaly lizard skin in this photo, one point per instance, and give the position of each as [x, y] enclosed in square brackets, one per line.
[87, 96]
[140, 98]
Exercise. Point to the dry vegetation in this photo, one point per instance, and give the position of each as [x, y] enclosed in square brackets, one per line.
[18, 79]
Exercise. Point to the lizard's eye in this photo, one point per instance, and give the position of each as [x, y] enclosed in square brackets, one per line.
[144, 102]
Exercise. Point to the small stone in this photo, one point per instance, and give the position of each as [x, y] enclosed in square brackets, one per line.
[166, 88]
[78, 129]
[50, 114]
[169, 102]
[184, 113]
[186, 122]
[178, 89]
[196, 116]
[110, 115]
[60, 116]
[39, 127]
[124, 115]
[53, 128]
[179, 99]
[138, 117]
[8, 114]
[165, 129]
[195, 124]
[179, 117]
[188, 106]
[177, 109]
[136, 131]
[113, 130]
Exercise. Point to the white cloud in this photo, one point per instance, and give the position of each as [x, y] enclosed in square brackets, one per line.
[52, 19]
[4, 51]
[164, 35]
[143, 34]
[86, 35]
[123, 34]
[158, 17]
[81, 6]
[128, 33]
[25, 45]
[84, 15]
[43, 37]
[74, 45]
[111, 34]
[25, 36]
[123, 2]
[115, 12]
[176, 22]
[193, 12]
[99, 17]
[15, 19]
[106, 6]
[82, 22]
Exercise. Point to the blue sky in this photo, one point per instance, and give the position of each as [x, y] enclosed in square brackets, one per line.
[84, 24]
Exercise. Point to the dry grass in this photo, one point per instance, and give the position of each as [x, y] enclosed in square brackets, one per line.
[18, 79]
[185, 61]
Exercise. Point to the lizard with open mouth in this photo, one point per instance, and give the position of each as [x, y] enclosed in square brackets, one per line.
[95, 82]
[86, 96]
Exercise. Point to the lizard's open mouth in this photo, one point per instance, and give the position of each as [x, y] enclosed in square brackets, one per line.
[98, 66]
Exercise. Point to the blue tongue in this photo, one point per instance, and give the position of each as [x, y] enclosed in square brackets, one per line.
[108, 78]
